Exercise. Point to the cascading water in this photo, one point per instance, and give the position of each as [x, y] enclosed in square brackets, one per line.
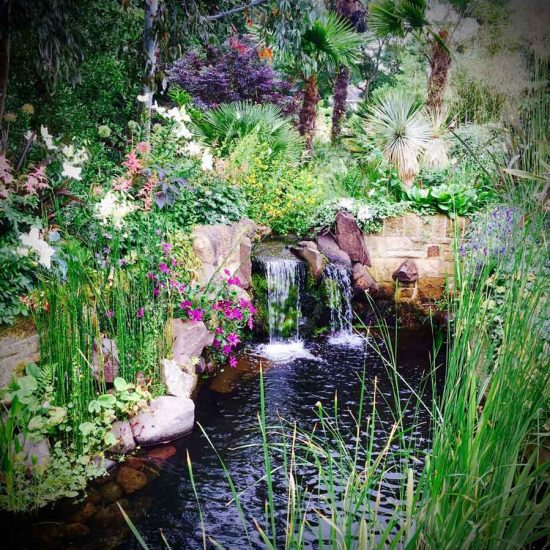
[284, 280]
[283, 298]
[338, 281]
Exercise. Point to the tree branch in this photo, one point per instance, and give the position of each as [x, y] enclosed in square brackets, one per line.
[252, 4]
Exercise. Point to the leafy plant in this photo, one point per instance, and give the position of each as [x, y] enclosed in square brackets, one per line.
[224, 126]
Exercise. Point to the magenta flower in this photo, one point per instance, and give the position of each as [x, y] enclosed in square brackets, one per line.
[156, 291]
[250, 323]
[219, 330]
[217, 344]
[140, 313]
[132, 163]
[234, 281]
[227, 349]
[233, 339]
[186, 304]
[109, 314]
[195, 314]
[166, 247]
[233, 362]
[164, 268]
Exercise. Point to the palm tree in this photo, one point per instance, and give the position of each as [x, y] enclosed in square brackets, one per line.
[354, 13]
[399, 18]
[329, 43]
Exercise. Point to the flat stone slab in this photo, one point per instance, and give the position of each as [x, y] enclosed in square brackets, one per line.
[168, 417]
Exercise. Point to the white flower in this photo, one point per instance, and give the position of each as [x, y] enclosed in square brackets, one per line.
[29, 135]
[346, 204]
[160, 110]
[364, 213]
[207, 161]
[113, 209]
[180, 130]
[48, 139]
[75, 157]
[193, 148]
[71, 171]
[145, 98]
[32, 240]
[371, 192]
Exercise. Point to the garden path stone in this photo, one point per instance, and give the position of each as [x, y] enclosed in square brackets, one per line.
[168, 417]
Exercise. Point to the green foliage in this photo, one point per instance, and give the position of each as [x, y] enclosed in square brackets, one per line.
[281, 196]
[224, 126]
[217, 201]
[16, 281]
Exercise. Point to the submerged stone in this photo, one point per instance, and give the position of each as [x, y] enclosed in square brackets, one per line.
[131, 480]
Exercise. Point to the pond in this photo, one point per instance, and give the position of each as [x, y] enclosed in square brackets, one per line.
[227, 407]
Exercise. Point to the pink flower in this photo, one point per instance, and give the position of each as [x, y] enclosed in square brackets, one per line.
[156, 292]
[227, 349]
[36, 181]
[140, 313]
[166, 247]
[250, 323]
[234, 314]
[132, 163]
[217, 344]
[219, 330]
[164, 268]
[233, 362]
[143, 147]
[109, 314]
[151, 276]
[122, 184]
[186, 304]
[195, 314]
[234, 281]
[233, 339]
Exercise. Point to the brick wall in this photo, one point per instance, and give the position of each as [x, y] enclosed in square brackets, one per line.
[427, 241]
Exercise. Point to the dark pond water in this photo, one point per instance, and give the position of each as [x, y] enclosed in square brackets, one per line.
[227, 408]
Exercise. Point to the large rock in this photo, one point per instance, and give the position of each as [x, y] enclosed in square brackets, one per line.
[125, 439]
[331, 250]
[189, 338]
[36, 453]
[221, 247]
[362, 280]
[179, 380]
[407, 272]
[350, 238]
[168, 417]
[18, 347]
[130, 480]
[105, 361]
[309, 251]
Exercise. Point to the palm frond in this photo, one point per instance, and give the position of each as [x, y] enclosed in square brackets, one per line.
[222, 127]
[385, 20]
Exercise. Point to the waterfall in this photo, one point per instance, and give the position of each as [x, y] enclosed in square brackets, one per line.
[338, 281]
[283, 298]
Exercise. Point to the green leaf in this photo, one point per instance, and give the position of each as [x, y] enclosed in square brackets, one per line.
[110, 439]
[36, 423]
[86, 428]
[120, 384]
[107, 400]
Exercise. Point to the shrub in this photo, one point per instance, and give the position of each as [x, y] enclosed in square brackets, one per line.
[229, 73]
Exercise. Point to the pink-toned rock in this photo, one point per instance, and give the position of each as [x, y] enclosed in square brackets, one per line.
[407, 272]
[362, 280]
[105, 360]
[179, 380]
[350, 238]
[308, 251]
[221, 247]
[189, 338]
[168, 417]
[331, 250]
[125, 440]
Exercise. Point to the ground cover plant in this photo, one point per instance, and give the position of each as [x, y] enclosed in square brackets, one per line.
[128, 127]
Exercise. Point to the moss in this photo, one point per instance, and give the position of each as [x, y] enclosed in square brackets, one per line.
[259, 290]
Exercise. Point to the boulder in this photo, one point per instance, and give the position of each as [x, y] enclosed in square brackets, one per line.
[36, 454]
[362, 280]
[105, 361]
[331, 250]
[111, 491]
[350, 238]
[309, 251]
[131, 480]
[221, 247]
[18, 346]
[179, 381]
[407, 272]
[168, 417]
[125, 439]
[189, 338]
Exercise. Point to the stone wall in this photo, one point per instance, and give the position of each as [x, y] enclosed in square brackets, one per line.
[411, 257]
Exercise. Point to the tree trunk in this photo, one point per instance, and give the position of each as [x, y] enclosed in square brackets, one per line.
[340, 95]
[150, 47]
[440, 63]
[308, 113]
[4, 53]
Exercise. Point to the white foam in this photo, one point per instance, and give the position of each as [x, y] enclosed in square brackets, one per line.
[279, 352]
[346, 339]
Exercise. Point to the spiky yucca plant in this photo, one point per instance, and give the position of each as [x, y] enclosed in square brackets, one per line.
[223, 126]
[400, 129]
[435, 154]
